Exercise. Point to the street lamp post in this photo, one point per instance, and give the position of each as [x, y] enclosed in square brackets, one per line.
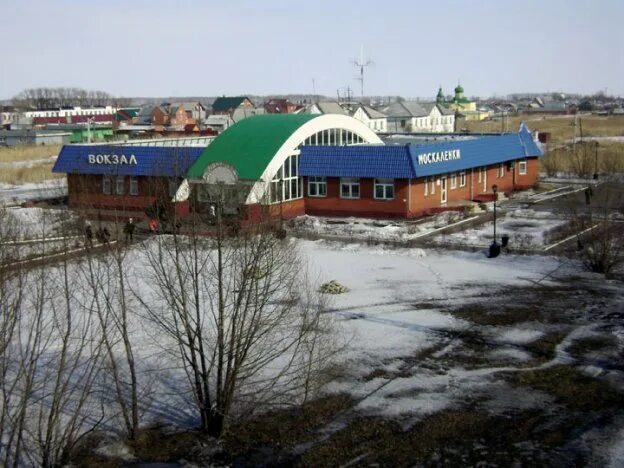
[495, 192]
[494, 247]
[596, 161]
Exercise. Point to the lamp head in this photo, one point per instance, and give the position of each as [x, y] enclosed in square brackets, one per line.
[494, 188]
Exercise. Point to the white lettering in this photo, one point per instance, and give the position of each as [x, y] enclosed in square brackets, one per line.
[429, 158]
[112, 159]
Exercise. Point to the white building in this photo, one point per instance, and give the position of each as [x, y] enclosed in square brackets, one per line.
[373, 119]
[72, 111]
[419, 117]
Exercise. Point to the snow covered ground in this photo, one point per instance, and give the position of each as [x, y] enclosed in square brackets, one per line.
[16, 194]
[373, 229]
[526, 228]
[399, 306]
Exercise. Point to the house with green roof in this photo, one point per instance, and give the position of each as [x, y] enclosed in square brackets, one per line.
[227, 105]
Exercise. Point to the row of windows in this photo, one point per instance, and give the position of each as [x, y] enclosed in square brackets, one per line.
[333, 136]
[66, 113]
[430, 121]
[350, 188]
[286, 184]
[119, 185]
[481, 177]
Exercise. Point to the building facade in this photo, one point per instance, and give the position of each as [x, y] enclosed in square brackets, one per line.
[373, 119]
[111, 181]
[418, 117]
[286, 165]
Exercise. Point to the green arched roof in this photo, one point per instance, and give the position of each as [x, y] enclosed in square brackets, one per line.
[249, 145]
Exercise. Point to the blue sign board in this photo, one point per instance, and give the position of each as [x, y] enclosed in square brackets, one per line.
[126, 160]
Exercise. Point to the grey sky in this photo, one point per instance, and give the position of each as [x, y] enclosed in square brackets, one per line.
[192, 47]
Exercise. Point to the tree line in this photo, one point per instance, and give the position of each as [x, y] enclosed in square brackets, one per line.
[53, 98]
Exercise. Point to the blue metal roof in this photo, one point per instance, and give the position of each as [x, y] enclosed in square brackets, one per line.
[126, 160]
[356, 161]
[416, 160]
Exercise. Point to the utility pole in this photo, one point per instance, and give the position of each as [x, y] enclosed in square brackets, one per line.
[361, 64]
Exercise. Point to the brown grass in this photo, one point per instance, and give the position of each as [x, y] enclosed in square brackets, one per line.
[499, 316]
[28, 153]
[581, 160]
[560, 127]
[20, 175]
[572, 388]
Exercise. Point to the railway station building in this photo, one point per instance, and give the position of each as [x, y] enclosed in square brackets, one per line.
[286, 165]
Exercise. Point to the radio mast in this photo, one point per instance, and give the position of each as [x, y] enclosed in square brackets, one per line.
[361, 64]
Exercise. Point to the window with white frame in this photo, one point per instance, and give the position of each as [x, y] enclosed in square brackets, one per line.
[480, 171]
[462, 179]
[522, 167]
[454, 180]
[349, 187]
[426, 186]
[286, 184]
[317, 186]
[134, 186]
[384, 189]
[432, 188]
[106, 185]
[119, 186]
[501, 170]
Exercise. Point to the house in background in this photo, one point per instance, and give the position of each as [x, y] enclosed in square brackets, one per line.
[125, 116]
[324, 107]
[375, 120]
[178, 118]
[227, 105]
[34, 137]
[194, 110]
[418, 117]
[279, 106]
[218, 123]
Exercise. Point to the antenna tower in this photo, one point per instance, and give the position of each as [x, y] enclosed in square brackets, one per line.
[361, 64]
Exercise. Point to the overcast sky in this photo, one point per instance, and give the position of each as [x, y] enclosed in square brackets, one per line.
[231, 47]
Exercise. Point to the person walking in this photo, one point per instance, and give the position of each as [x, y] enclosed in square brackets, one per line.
[588, 195]
[88, 236]
[129, 230]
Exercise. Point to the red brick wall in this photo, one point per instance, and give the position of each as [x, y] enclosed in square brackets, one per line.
[530, 179]
[366, 205]
[85, 191]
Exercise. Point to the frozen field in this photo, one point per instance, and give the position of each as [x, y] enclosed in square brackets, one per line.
[527, 229]
[430, 332]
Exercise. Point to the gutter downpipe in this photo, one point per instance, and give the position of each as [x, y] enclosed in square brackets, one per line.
[409, 196]
[471, 183]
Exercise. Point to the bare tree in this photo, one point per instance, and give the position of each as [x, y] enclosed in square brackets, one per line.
[236, 310]
[600, 227]
[105, 280]
[49, 363]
